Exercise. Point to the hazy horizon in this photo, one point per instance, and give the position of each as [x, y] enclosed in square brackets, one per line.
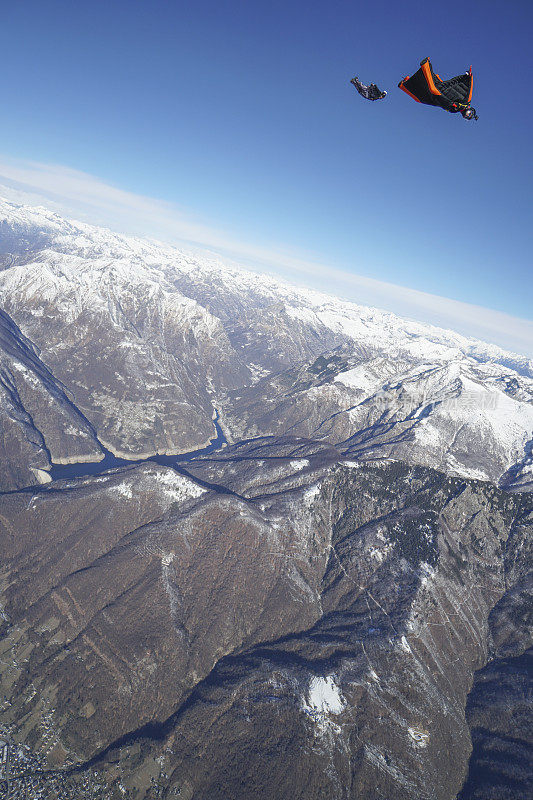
[84, 197]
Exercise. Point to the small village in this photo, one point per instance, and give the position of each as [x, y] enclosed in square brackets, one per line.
[22, 776]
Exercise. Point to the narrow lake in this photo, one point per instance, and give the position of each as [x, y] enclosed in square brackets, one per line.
[110, 461]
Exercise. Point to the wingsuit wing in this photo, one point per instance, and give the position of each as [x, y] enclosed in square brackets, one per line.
[425, 86]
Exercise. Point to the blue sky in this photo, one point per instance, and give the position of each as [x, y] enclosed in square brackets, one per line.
[240, 117]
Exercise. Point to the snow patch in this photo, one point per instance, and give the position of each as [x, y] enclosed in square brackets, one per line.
[300, 464]
[456, 468]
[360, 378]
[311, 494]
[379, 554]
[306, 315]
[178, 488]
[324, 696]
[257, 372]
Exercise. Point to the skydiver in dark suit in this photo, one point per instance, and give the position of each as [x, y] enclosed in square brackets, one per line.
[369, 92]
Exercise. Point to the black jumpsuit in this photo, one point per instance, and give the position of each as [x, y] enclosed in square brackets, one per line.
[369, 92]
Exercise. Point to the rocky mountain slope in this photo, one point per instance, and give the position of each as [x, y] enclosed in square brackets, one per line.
[145, 341]
[335, 604]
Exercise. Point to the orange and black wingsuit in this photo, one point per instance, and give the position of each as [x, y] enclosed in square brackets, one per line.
[453, 95]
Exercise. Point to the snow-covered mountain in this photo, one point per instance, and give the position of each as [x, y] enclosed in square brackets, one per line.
[335, 604]
[146, 341]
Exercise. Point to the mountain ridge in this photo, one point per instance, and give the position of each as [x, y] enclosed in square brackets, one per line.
[332, 603]
[148, 340]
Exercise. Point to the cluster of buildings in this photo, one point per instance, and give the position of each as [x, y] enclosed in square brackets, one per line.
[22, 777]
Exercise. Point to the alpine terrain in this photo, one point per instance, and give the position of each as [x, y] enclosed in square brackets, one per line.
[257, 543]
